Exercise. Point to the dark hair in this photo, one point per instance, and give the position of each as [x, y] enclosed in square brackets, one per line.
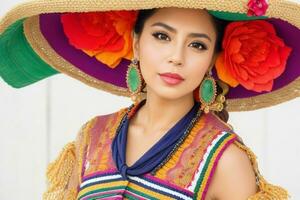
[219, 26]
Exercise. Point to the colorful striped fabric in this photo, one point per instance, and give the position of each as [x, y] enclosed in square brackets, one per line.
[207, 166]
[111, 185]
[186, 175]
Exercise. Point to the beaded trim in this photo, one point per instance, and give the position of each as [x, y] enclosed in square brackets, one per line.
[180, 141]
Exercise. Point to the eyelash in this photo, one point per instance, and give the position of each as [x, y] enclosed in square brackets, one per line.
[158, 34]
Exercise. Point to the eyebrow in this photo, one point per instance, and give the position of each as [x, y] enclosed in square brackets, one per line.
[203, 35]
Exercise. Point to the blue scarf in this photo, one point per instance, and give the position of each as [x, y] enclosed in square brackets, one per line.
[157, 153]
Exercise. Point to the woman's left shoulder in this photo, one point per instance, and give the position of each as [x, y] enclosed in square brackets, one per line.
[235, 174]
[238, 174]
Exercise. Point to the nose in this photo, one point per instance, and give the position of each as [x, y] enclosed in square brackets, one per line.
[176, 62]
[176, 57]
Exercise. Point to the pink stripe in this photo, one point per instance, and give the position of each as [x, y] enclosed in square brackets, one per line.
[162, 182]
[118, 196]
[117, 192]
[135, 195]
[215, 165]
[99, 173]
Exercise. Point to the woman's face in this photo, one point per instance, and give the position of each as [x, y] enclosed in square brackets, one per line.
[175, 50]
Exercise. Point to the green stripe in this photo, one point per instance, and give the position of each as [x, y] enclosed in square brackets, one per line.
[140, 193]
[19, 64]
[234, 16]
[115, 188]
[102, 196]
[217, 145]
[130, 197]
[102, 190]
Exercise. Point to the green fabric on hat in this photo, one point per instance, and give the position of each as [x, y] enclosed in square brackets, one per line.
[234, 16]
[19, 64]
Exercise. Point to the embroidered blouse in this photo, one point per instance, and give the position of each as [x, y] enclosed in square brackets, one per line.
[86, 169]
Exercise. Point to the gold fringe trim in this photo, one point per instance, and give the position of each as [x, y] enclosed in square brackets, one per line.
[266, 191]
[59, 173]
[82, 143]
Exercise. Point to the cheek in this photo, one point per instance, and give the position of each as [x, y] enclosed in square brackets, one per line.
[198, 66]
[149, 56]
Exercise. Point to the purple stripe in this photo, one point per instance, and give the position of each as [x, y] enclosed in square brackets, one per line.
[103, 193]
[118, 197]
[133, 194]
[215, 165]
[59, 42]
[150, 178]
[111, 192]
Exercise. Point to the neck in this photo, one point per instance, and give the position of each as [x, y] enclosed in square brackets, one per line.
[160, 114]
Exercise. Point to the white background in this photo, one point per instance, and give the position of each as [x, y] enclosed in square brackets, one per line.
[38, 120]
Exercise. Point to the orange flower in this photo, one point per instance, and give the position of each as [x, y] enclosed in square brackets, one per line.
[253, 55]
[105, 35]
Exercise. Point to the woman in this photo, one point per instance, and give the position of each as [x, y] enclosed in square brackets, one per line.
[175, 143]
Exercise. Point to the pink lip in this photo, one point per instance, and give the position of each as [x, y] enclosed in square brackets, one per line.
[171, 78]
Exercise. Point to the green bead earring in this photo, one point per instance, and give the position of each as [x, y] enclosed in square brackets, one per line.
[207, 92]
[134, 79]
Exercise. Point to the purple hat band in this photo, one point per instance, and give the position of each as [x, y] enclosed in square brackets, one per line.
[117, 76]
[59, 42]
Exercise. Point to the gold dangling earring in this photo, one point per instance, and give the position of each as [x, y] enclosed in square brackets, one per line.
[208, 94]
[134, 80]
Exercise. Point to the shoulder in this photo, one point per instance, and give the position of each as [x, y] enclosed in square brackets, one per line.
[235, 174]
[101, 121]
[213, 121]
[110, 116]
[93, 127]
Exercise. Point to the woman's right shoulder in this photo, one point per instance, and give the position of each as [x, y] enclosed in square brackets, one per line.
[114, 115]
[65, 173]
[91, 129]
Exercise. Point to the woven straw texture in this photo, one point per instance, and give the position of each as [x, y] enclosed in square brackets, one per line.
[286, 10]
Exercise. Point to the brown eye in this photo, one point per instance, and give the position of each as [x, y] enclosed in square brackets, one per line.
[161, 36]
[198, 45]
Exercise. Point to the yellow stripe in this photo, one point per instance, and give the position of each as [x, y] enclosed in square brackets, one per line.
[211, 163]
[102, 186]
[148, 192]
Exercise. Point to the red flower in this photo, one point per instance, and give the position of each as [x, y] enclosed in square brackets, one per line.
[257, 7]
[105, 35]
[253, 55]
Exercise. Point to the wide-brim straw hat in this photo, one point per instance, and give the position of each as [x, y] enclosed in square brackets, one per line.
[34, 45]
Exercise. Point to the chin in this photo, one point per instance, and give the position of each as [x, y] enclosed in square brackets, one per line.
[171, 94]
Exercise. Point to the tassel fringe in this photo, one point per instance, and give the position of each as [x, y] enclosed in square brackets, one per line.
[266, 191]
[59, 173]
